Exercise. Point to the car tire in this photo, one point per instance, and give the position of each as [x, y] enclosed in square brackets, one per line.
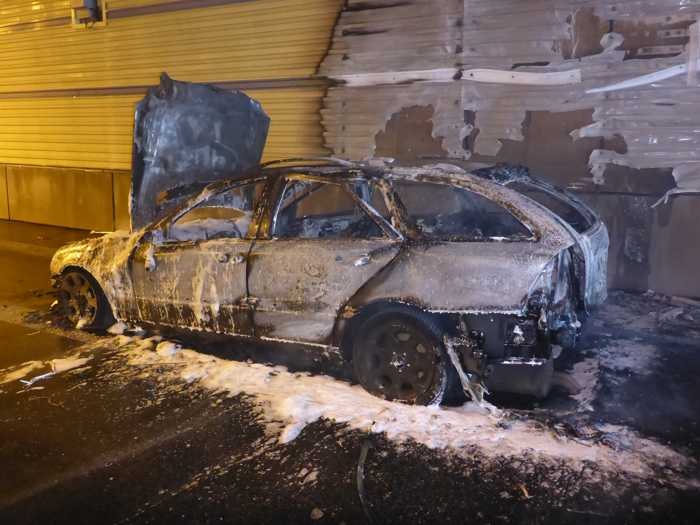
[398, 355]
[82, 301]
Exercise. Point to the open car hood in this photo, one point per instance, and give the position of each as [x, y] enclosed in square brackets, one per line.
[186, 136]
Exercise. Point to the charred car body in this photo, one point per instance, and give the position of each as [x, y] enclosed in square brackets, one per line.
[419, 276]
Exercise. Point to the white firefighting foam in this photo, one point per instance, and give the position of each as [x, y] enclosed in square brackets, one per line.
[290, 401]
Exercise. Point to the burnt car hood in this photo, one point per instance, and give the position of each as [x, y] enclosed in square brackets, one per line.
[185, 136]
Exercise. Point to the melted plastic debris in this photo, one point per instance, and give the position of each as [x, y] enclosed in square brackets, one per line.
[117, 328]
[473, 388]
[14, 373]
[56, 366]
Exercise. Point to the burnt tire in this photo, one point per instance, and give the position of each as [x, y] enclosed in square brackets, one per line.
[82, 301]
[398, 354]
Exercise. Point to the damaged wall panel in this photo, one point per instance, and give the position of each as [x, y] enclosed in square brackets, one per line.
[352, 117]
[414, 37]
[654, 120]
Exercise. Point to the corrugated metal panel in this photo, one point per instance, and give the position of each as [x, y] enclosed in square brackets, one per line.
[92, 132]
[14, 12]
[247, 41]
[95, 131]
[115, 5]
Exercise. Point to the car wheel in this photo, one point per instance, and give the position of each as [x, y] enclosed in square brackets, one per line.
[83, 302]
[400, 357]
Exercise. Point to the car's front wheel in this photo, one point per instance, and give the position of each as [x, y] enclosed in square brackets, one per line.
[83, 303]
[400, 357]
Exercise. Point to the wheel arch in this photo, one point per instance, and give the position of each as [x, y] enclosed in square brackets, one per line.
[346, 327]
[80, 269]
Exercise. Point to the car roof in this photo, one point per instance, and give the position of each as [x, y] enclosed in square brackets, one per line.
[334, 168]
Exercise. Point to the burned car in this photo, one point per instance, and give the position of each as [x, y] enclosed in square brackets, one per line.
[419, 277]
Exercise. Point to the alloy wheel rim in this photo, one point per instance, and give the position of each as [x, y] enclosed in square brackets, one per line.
[80, 299]
[399, 362]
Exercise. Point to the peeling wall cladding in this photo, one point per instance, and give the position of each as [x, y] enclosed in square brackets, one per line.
[506, 32]
[658, 121]
[417, 35]
[352, 117]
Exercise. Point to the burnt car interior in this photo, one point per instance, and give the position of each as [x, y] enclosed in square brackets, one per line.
[309, 209]
[550, 200]
[444, 212]
[228, 214]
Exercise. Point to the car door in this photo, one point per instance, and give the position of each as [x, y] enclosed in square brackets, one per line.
[195, 277]
[324, 244]
[472, 253]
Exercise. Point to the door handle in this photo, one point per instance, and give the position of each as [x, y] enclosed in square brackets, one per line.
[226, 257]
[362, 261]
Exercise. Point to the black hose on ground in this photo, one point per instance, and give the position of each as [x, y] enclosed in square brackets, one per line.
[361, 479]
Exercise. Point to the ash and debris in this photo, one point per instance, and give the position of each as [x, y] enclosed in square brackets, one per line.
[632, 394]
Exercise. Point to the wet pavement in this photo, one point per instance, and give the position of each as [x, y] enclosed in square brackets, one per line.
[100, 444]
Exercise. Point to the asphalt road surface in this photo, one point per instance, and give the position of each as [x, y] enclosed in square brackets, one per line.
[98, 445]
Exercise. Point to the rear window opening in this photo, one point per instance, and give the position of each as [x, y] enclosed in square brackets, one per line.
[556, 204]
[443, 212]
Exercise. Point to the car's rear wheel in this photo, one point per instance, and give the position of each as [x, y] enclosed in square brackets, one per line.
[400, 357]
[83, 303]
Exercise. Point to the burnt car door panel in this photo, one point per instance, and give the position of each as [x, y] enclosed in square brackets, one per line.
[195, 276]
[193, 285]
[324, 246]
[458, 228]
